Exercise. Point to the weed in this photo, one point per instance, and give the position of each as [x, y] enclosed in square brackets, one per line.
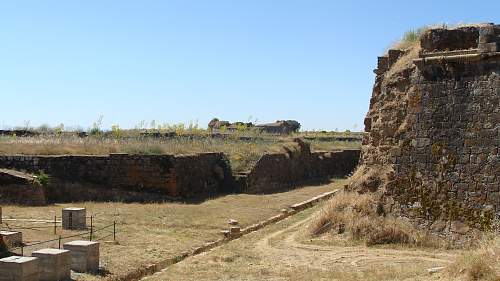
[41, 179]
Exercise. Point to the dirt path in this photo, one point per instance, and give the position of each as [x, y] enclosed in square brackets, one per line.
[281, 252]
[290, 252]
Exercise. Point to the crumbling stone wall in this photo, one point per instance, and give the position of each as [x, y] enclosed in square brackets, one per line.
[128, 177]
[149, 178]
[19, 188]
[281, 171]
[433, 130]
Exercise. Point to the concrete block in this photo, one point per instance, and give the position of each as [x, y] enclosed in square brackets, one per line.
[74, 218]
[84, 255]
[55, 264]
[19, 269]
[11, 239]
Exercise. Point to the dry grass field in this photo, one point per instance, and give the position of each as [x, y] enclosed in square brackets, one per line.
[294, 250]
[148, 233]
[286, 251]
[241, 153]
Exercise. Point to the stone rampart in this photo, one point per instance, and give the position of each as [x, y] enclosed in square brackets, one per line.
[147, 178]
[282, 171]
[433, 129]
[127, 177]
[19, 188]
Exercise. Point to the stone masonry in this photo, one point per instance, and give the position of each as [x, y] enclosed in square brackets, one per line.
[433, 130]
[74, 218]
[125, 177]
[282, 171]
[19, 269]
[54, 264]
[84, 255]
[20, 188]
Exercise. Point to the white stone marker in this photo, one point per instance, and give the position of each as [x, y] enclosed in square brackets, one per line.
[11, 239]
[74, 218]
[54, 264]
[19, 269]
[84, 255]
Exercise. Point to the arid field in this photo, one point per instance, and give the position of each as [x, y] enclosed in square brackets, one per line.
[242, 153]
[147, 233]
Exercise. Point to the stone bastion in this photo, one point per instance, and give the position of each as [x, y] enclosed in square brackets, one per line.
[431, 146]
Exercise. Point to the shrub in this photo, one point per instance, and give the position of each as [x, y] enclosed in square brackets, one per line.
[41, 179]
[96, 127]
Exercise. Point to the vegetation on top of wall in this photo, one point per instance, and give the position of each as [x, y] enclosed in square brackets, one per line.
[241, 152]
[41, 178]
[410, 39]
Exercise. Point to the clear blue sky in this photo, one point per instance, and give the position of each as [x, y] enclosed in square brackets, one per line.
[180, 60]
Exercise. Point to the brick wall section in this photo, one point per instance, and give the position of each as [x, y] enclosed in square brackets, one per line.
[438, 127]
[16, 188]
[281, 171]
[186, 176]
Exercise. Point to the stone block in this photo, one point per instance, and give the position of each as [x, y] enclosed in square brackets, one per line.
[74, 218]
[84, 255]
[383, 63]
[54, 264]
[487, 34]
[225, 233]
[489, 47]
[17, 268]
[11, 239]
[394, 55]
[235, 230]
[459, 227]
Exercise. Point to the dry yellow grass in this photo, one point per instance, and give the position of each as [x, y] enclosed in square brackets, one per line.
[361, 218]
[149, 233]
[280, 253]
[482, 263]
[242, 154]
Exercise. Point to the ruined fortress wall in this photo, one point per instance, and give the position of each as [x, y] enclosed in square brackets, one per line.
[153, 178]
[176, 176]
[281, 171]
[433, 129]
[16, 189]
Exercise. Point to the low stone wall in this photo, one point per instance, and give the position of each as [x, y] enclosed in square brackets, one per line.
[18, 188]
[128, 177]
[156, 178]
[281, 171]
